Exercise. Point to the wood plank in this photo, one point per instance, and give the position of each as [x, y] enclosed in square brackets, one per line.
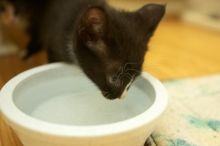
[180, 50]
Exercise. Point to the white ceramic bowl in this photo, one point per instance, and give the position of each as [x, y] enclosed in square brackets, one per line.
[56, 105]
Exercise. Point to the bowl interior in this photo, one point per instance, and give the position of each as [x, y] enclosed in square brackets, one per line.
[64, 95]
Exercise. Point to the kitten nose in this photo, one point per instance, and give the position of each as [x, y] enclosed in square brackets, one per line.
[116, 88]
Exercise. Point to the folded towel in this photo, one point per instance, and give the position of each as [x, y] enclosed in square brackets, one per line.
[193, 116]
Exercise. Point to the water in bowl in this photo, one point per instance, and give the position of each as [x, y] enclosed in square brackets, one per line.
[66, 96]
[91, 108]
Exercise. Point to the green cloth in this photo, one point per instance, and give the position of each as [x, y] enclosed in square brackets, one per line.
[193, 115]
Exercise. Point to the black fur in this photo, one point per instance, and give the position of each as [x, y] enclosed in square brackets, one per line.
[108, 45]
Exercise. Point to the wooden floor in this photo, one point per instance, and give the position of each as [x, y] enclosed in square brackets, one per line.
[180, 50]
[13, 65]
[177, 50]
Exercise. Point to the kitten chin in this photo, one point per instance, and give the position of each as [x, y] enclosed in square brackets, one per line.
[107, 44]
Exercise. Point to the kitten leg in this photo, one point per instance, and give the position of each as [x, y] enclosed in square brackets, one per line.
[33, 47]
[51, 56]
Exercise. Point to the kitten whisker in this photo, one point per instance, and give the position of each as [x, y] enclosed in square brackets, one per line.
[129, 63]
[105, 93]
[122, 83]
[128, 74]
[135, 70]
[117, 84]
[121, 70]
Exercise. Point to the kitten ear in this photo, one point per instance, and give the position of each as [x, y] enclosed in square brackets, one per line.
[92, 29]
[152, 14]
[93, 24]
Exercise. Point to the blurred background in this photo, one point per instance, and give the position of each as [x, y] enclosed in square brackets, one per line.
[186, 44]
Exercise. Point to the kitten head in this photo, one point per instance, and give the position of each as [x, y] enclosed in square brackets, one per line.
[111, 45]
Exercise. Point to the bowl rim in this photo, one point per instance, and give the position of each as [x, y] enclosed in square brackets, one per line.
[18, 119]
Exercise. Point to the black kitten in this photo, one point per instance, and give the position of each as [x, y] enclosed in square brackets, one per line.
[108, 45]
